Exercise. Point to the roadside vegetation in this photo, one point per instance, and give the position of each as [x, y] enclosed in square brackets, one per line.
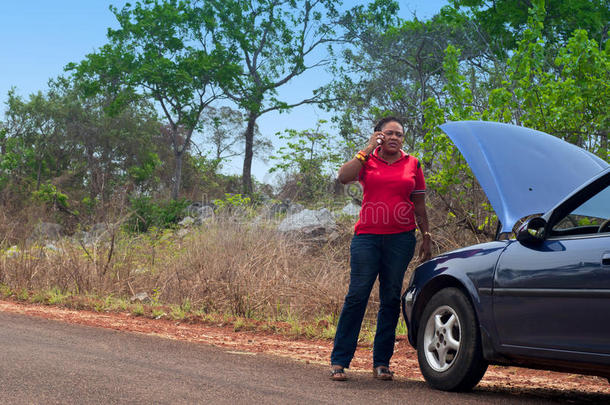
[141, 128]
[230, 270]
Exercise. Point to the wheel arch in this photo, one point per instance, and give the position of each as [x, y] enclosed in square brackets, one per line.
[431, 288]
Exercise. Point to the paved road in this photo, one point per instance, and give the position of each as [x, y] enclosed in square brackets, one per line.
[43, 361]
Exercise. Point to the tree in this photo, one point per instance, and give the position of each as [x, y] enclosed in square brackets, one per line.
[32, 126]
[65, 142]
[504, 21]
[309, 159]
[105, 146]
[570, 101]
[164, 50]
[223, 128]
[275, 41]
[394, 65]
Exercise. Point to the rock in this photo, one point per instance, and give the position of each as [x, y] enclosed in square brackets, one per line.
[51, 247]
[265, 198]
[307, 219]
[334, 235]
[141, 297]
[199, 212]
[97, 232]
[295, 208]
[286, 206]
[279, 208]
[181, 233]
[49, 250]
[207, 211]
[351, 209]
[193, 209]
[98, 229]
[198, 209]
[309, 225]
[186, 222]
[47, 231]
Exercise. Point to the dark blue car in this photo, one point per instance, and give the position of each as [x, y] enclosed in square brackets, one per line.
[541, 300]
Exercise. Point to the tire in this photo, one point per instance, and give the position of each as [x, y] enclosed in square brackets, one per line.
[449, 343]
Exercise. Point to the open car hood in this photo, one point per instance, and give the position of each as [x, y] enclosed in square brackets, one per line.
[522, 171]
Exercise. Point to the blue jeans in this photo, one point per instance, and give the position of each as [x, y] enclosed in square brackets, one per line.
[386, 256]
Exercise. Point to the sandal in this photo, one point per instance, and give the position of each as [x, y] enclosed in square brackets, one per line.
[338, 374]
[383, 373]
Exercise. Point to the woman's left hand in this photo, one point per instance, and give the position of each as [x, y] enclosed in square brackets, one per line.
[425, 248]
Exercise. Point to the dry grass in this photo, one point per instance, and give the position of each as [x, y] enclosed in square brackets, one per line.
[226, 266]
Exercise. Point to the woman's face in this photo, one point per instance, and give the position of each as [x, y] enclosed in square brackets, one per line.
[393, 136]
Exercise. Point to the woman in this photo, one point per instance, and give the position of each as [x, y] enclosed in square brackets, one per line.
[383, 244]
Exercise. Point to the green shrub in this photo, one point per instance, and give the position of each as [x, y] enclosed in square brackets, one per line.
[160, 214]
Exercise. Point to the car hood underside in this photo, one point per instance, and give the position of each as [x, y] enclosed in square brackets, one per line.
[522, 171]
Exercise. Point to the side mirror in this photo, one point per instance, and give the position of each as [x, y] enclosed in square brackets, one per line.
[532, 232]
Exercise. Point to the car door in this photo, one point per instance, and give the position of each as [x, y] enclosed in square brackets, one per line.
[553, 298]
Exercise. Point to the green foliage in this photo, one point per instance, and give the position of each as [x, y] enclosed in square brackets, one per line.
[275, 41]
[147, 213]
[5, 291]
[447, 167]
[503, 21]
[164, 50]
[23, 295]
[96, 136]
[233, 203]
[393, 66]
[88, 204]
[30, 143]
[56, 296]
[570, 99]
[146, 170]
[584, 221]
[202, 172]
[66, 138]
[137, 309]
[309, 158]
[179, 312]
[49, 194]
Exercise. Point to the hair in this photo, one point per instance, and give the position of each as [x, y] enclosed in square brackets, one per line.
[385, 120]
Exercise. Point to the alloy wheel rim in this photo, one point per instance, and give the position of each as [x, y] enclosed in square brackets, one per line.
[442, 338]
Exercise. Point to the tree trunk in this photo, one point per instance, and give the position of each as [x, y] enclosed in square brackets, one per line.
[94, 178]
[249, 153]
[38, 174]
[177, 174]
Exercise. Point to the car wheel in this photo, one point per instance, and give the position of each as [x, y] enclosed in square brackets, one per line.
[449, 344]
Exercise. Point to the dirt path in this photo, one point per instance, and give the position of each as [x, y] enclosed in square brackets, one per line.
[404, 362]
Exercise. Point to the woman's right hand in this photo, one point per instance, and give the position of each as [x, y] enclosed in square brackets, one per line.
[374, 141]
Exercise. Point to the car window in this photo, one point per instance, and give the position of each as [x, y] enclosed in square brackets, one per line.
[588, 217]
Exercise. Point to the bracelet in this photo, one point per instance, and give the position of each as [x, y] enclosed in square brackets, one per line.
[361, 156]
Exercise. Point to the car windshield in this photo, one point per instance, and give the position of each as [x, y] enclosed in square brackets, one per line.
[588, 216]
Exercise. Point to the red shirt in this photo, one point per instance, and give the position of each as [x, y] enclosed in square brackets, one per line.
[386, 204]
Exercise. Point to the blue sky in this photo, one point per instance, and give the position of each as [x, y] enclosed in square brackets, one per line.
[39, 37]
